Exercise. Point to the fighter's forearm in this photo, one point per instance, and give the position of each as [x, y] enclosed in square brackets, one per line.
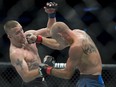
[30, 75]
[61, 73]
[51, 8]
[51, 21]
[51, 43]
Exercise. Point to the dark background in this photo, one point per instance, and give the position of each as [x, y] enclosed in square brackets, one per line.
[96, 17]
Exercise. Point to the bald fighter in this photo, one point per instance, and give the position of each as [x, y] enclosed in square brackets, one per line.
[83, 54]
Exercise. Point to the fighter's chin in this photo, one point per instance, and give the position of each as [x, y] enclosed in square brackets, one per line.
[23, 42]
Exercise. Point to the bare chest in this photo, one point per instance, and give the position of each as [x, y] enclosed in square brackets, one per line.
[32, 58]
[28, 54]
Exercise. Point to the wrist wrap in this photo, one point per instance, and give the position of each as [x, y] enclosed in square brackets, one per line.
[48, 70]
[52, 15]
[39, 39]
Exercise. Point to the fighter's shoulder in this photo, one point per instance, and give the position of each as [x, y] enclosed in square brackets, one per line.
[74, 49]
[75, 45]
[78, 30]
[15, 54]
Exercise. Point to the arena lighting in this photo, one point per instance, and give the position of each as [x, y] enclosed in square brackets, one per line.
[91, 5]
[91, 9]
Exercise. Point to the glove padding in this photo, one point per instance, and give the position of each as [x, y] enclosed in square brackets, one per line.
[47, 65]
[49, 60]
[45, 69]
[50, 7]
[31, 38]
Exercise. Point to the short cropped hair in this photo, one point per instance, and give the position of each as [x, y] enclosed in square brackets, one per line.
[9, 25]
[59, 27]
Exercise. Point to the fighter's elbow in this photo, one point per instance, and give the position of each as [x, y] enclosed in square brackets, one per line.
[25, 78]
[68, 76]
[59, 48]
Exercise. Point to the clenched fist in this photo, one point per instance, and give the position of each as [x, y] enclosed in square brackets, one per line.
[31, 38]
[51, 7]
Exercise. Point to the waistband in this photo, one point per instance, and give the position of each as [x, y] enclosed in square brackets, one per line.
[94, 77]
[90, 76]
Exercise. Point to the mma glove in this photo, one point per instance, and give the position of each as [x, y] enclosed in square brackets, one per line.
[50, 8]
[31, 38]
[38, 39]
[45, 69]
[49, 60]
[47, 65]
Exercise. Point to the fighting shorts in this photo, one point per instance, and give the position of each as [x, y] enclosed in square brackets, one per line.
[38, 82]
[90, 81]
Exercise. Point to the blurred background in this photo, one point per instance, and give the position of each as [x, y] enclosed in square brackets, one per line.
[96, 17]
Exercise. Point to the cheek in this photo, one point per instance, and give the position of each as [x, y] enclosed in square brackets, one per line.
[17, 37]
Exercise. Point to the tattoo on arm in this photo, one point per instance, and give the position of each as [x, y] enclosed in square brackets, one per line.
[19, 63]
[88, 48]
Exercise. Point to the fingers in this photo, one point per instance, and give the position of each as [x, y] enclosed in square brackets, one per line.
[31, 38]
[28, 35]
[42, 65]
[49, 60]
[51, 5]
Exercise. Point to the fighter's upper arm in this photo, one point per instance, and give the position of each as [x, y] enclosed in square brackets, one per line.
[19, 63]
[43, 31]
[75, 53]
[71, 64]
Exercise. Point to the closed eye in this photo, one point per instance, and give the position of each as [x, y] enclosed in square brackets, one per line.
[19, 31]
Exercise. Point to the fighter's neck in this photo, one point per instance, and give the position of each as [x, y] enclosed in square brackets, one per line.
[72, 38]
[19, 45]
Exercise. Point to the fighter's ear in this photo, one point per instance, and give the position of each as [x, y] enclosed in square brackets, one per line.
[8, 36]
